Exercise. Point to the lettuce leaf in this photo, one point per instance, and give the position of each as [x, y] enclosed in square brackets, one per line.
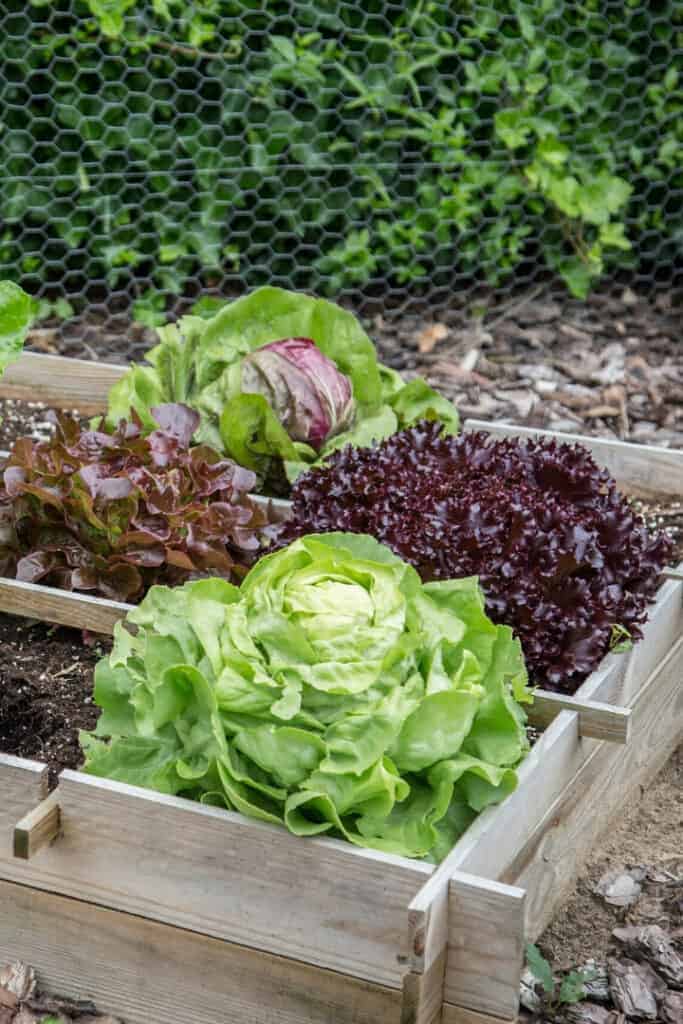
[16, 313]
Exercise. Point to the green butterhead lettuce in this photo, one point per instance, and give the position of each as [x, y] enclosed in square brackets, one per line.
[199, 362]
[333, 692]
[16, 313]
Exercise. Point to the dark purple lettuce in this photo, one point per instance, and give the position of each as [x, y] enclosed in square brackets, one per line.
[560, 554]
[112, 514]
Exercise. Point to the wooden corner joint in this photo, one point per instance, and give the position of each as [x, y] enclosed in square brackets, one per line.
[38, 828]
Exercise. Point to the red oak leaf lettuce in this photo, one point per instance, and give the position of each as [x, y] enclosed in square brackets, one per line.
[113, 513]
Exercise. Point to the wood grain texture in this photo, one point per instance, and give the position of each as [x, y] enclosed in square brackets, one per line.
[96, 614]
[551, 856]
[596, 720]
[38, 828]
[422, 997]
[427, 953]
[213, 871]
[149, 973]
[60, 383]
[477, 927]
[640, 469]
[458, 1015]
[23, 785]
[485, 945]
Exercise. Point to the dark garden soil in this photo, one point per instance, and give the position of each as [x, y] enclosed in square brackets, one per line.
[45, 692]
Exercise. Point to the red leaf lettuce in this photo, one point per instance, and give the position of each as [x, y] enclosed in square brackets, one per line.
[114, 513]
[560, 554]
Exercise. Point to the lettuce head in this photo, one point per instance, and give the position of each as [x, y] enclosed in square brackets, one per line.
[333, 692]
[260, 409]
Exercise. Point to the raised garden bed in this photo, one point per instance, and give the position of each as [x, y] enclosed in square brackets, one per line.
[167, 909]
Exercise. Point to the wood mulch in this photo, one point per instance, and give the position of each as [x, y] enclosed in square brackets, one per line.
[611, 366]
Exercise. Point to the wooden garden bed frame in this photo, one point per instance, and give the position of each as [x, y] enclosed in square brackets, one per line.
[160, 908]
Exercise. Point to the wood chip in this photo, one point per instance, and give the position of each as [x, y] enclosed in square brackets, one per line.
[430, 336]
[18, 978]
[671, 1009]
[470, 360]
[618, 888]
[570, 331]
[652, 944]
[598, 411]
[636, 989]
[589, 1013]
[8, 999]
[26, 1016]
[575, 396]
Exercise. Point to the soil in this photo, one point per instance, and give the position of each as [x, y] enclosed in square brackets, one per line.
[45, 692]
[649, 832]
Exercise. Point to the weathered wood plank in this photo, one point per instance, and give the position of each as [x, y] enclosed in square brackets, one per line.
[213, 871]
[640, 469]
[422, 999]
[485, 945]
[478, 926]
[34, 601]
[60, 383]
[549, 859]
[150, 973]
[596, 720]
[23, 784]
[427, 953]
[37, 828]
[458, 1015]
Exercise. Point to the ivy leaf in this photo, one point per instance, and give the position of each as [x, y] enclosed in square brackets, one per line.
[552, 151]
[617, 192]
[612, 235]
[573, 987]
[512, 128]
[285, 47]
[564, 192]
[540, 968]
[577, 275]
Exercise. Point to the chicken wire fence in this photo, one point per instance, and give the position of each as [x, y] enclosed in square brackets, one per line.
[156, 151]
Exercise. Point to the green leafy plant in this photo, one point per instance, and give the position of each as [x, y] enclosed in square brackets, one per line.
[16, 314]
[333, 692]
[268, 417]
[112, 514]
[556, 993]
[347, 146]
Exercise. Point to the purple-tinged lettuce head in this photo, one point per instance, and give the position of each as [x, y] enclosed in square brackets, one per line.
[312, 399]
[561, 556]
[114, 514]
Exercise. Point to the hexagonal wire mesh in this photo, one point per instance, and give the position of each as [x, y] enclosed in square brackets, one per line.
[386, 152]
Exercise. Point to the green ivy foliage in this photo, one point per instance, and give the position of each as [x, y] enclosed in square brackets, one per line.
[329, 145]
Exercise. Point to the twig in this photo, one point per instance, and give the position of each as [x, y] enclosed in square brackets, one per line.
[515, 306]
